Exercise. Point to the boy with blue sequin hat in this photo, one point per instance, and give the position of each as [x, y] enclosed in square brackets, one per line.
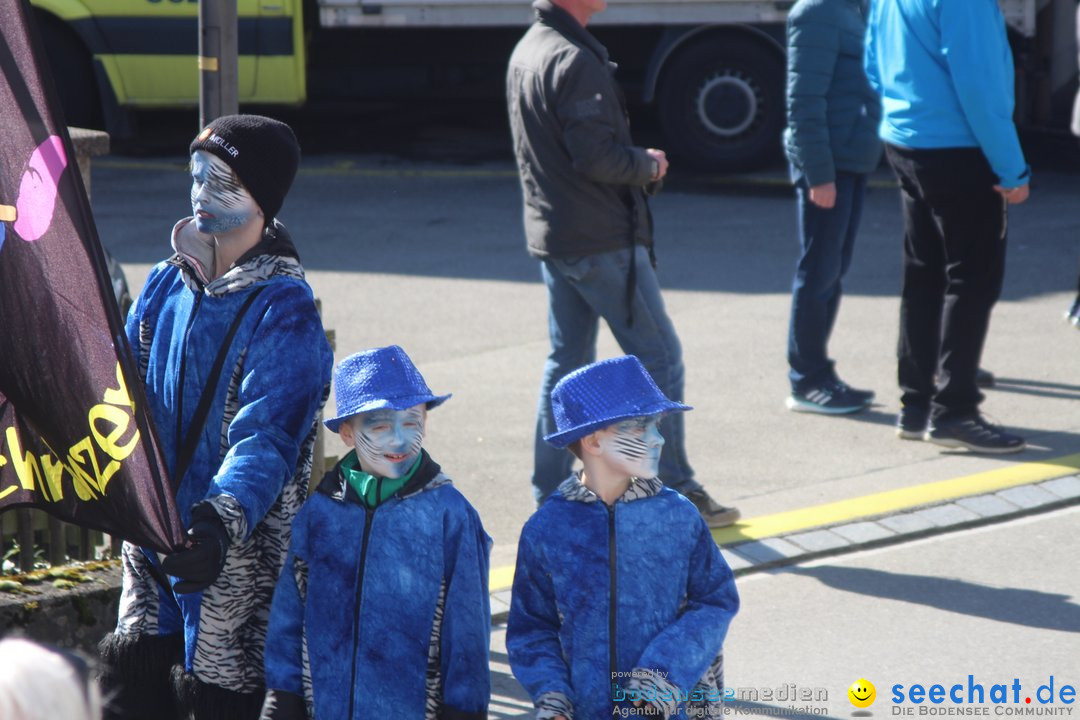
[397, 619]
[621, 598]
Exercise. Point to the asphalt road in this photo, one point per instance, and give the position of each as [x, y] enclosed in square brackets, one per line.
[430, 255]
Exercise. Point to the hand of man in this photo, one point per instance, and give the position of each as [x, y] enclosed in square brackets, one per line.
[199, 565]
[661, 163]
[1016, 195]
[824, 196]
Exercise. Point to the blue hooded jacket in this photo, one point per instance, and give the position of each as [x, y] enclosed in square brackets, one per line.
[252, 461]
[382, 612]
[612, 603]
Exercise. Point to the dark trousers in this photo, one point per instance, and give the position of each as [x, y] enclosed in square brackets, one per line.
[954, 262]
[826, 242]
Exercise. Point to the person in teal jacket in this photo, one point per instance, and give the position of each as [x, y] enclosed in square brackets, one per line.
[382, 610]
[621, 599]
[832, 144]
[944, 72]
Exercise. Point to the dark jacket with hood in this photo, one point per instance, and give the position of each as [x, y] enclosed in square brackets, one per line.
[252, 459]
[582, 178]
[613, 604]
[833, 113]
[382, 612]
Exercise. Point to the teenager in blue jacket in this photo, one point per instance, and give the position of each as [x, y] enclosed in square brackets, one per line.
[621, 598]
[382, 610]
[944, 72]
[832, 144]
[236, 366]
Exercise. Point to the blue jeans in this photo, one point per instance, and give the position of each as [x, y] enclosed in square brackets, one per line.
[826, 239]
[581, 290]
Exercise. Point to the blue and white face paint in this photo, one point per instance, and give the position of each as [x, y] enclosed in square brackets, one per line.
[633, 446]
[388, 441]
[219, 201]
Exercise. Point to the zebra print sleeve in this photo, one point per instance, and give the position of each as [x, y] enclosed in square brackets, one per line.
[655, 690]
[551, 705]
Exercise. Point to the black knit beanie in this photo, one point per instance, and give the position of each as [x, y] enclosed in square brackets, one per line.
[262, 151]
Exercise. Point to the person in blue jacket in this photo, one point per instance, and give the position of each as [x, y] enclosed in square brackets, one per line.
[832, 144]
[382, 610]
[236, 367]
[621, 598]
[944, 72]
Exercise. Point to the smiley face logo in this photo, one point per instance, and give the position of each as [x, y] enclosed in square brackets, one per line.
[862, 693]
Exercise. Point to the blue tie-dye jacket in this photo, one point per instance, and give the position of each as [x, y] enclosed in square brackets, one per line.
[621, 602]
[382, 612]
[252, 461]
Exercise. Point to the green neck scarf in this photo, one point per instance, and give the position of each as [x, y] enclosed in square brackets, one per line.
[374, 491]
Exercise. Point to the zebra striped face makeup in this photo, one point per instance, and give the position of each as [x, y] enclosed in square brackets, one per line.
[388, 441]
[218, 200]
[633, 446]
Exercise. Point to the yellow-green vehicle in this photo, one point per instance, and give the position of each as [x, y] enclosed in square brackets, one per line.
[712, 70]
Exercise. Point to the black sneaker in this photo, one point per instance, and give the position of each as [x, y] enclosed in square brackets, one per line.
[831, 398]
[866, 395]
[715, 514]
[975, 434]
[911, 422]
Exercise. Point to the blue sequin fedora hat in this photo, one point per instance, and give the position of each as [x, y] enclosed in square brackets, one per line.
[375, 379]
[601, 394]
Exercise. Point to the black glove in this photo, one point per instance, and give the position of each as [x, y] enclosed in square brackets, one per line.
[199, 565]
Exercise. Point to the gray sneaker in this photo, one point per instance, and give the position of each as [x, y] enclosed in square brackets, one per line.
[715, 514]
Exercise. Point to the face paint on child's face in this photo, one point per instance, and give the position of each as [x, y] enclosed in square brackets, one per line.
[218, 200]
[388, 441]
[634, 446]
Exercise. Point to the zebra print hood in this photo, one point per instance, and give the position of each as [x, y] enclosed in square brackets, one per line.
[573, 489]
[274, 254]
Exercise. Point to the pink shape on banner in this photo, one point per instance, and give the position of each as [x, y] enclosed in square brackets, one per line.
[37, 193]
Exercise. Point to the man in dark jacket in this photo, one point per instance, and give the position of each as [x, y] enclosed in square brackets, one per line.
[588, 222]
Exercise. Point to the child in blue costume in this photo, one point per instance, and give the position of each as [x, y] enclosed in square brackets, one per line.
[621, 598]
[236, 367]
[382, 609]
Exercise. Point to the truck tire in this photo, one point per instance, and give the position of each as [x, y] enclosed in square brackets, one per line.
[721, 103]
[73, 73]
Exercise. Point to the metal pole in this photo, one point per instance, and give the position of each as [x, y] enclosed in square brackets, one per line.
[217, 60]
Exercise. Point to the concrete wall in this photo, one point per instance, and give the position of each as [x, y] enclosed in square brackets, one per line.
[70, 617]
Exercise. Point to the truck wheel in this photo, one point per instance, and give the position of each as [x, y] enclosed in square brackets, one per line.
[721, 103]
[72, 72]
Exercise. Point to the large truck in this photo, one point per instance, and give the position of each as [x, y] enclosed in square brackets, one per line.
[711, 70]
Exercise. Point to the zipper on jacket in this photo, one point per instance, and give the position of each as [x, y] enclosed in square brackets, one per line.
[183, 372]
[370, 515]
[612, 600]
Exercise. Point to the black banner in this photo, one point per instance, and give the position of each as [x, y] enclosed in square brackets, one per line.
[75, 439]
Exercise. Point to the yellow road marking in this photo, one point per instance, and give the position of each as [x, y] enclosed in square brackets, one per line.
[868, 506]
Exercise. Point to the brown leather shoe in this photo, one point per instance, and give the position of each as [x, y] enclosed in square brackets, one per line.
[715, 514]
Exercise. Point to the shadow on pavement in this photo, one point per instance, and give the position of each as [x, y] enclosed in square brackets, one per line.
[1039, 388]
[1030, 608]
